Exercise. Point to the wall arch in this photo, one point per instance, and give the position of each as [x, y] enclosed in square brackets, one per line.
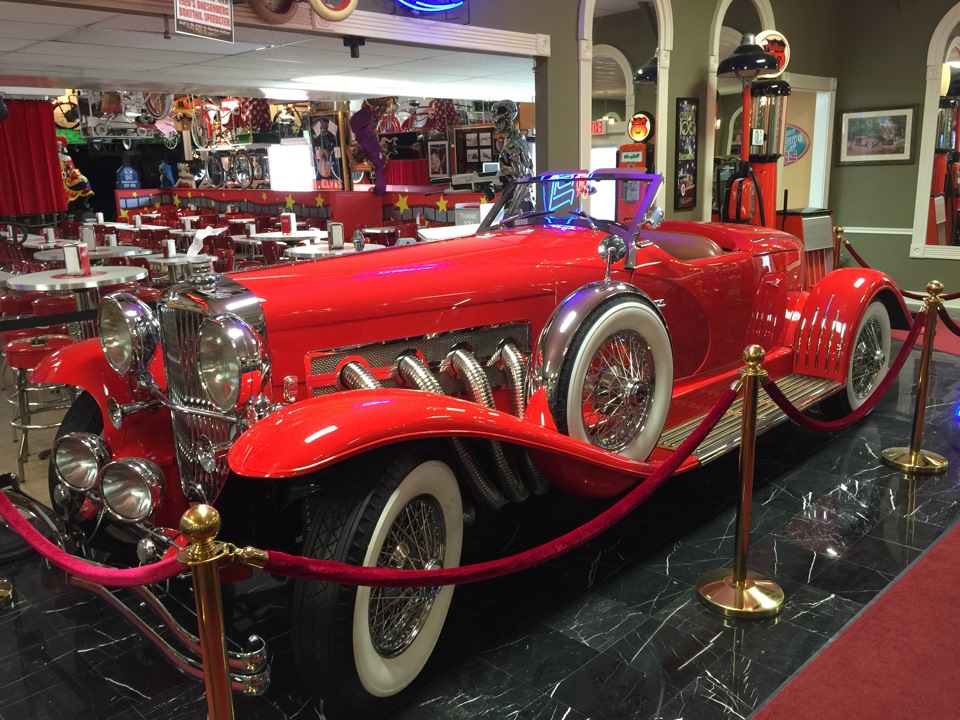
[609, 51]
[936, 53]
[584, 62]
[765, 11]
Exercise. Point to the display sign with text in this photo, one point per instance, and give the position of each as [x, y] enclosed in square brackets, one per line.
[211, 19]
[685, 177]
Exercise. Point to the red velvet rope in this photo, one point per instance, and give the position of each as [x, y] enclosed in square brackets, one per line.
[113, 577]
[328, 571]
[296, 566]
[805, 421]
[948, 321]
[906, 293]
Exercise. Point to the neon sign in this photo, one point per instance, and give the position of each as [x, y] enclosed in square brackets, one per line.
[431, 6]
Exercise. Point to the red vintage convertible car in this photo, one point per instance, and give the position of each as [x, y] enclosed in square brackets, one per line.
[365, 408]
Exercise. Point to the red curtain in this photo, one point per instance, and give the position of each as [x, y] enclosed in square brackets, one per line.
[30, 177]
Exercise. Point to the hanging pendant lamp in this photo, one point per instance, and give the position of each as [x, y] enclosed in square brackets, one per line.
[648, 73]
[747, 61]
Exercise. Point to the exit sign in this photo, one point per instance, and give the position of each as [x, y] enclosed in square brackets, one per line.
[596, 127]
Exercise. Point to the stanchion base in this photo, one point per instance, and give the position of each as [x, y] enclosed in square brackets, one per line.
[758, 598]
[6, 592]
[921, 463]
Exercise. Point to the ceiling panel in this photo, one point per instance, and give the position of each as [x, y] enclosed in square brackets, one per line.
[32, 31]
[43, 44]
[31, 12]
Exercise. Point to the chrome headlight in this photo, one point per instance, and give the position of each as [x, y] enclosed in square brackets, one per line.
[232, 363]
[131, 488]
[129, 333]
[77, 459]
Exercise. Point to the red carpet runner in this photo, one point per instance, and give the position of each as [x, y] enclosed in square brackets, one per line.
[898, 661]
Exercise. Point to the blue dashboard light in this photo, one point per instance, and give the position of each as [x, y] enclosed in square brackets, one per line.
[431, 7]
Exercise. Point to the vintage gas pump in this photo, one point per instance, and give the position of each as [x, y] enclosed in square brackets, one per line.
[942, 217]
[747, 62]
[639, 156]
[768, 123]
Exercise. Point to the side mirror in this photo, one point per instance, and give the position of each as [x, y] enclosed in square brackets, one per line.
[612, 249]
[653, 218]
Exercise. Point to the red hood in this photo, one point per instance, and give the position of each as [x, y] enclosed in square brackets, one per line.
[415, 290]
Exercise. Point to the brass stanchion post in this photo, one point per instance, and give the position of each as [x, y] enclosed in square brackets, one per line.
[201, 524]
[914, 459]
[738, 592]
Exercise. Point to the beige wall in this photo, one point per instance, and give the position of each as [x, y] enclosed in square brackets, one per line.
[801, 109]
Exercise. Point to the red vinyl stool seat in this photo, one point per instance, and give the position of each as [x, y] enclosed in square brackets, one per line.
[23, 355]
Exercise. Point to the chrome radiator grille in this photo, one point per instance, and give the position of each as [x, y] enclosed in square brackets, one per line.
[180, 320]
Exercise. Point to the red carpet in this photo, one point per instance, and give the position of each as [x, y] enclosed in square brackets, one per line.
[898, 661]
[945, 341]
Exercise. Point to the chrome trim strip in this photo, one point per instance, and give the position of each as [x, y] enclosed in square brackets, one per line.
[823, 324]
[832, 331]
[813, 321]
[243, 682]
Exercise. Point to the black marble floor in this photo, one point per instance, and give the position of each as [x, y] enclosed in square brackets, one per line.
[611, 630]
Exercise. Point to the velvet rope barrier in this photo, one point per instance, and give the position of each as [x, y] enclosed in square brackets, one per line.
[906, 293]
[112, 577]
[807, 422]
[328, 571]
[948, 321]
[297, 566]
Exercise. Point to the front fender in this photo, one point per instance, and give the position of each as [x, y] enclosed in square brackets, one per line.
[315, 434]
[83, 365]
[831, 314]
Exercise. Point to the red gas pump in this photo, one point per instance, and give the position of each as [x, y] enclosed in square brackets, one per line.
[768, 123]
[942, 216]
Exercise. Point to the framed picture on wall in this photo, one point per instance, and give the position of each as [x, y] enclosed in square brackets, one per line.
[329, 150]
[466, 142]
[438, 157]
[884, 136]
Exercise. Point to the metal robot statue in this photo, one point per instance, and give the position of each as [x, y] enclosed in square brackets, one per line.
[515, 160]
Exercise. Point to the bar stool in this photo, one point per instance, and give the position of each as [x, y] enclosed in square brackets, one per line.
[23, 356]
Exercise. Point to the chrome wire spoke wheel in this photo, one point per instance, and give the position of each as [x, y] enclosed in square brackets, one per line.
[415, 541]
[868, 359]
[618, 391]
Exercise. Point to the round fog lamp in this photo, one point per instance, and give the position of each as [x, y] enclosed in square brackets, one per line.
[231, 364]
[77, 458]
[129, 333]
[131, 488]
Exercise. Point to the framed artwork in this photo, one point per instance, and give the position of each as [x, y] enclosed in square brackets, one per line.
[438, 156]
[877, 137]
[329, 150]
[486, 154]
[466, 144]
[685, 168]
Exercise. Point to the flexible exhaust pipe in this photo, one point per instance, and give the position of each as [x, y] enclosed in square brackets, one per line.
[413, 372]
[355, 376]
[509, 359]
[468, 369]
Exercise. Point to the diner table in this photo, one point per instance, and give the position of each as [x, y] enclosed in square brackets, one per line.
[385, 235]
[322, 250]
[131, 226]
[291, 237]
[38, 242]
[101, 252]
[179, 267]
[85, 288]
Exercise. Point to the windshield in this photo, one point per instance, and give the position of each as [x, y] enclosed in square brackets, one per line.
[602, 199]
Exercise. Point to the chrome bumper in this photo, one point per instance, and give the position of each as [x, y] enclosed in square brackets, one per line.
[249, 668]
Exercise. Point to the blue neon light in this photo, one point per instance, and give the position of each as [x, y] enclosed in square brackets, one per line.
[431, 7]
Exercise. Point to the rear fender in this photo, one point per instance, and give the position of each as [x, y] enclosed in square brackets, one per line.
[831, 314]
[310, 436]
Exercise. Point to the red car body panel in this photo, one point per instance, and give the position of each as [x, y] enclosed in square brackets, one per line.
[320, 432]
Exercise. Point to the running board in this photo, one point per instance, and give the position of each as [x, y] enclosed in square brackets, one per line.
[802, 390]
